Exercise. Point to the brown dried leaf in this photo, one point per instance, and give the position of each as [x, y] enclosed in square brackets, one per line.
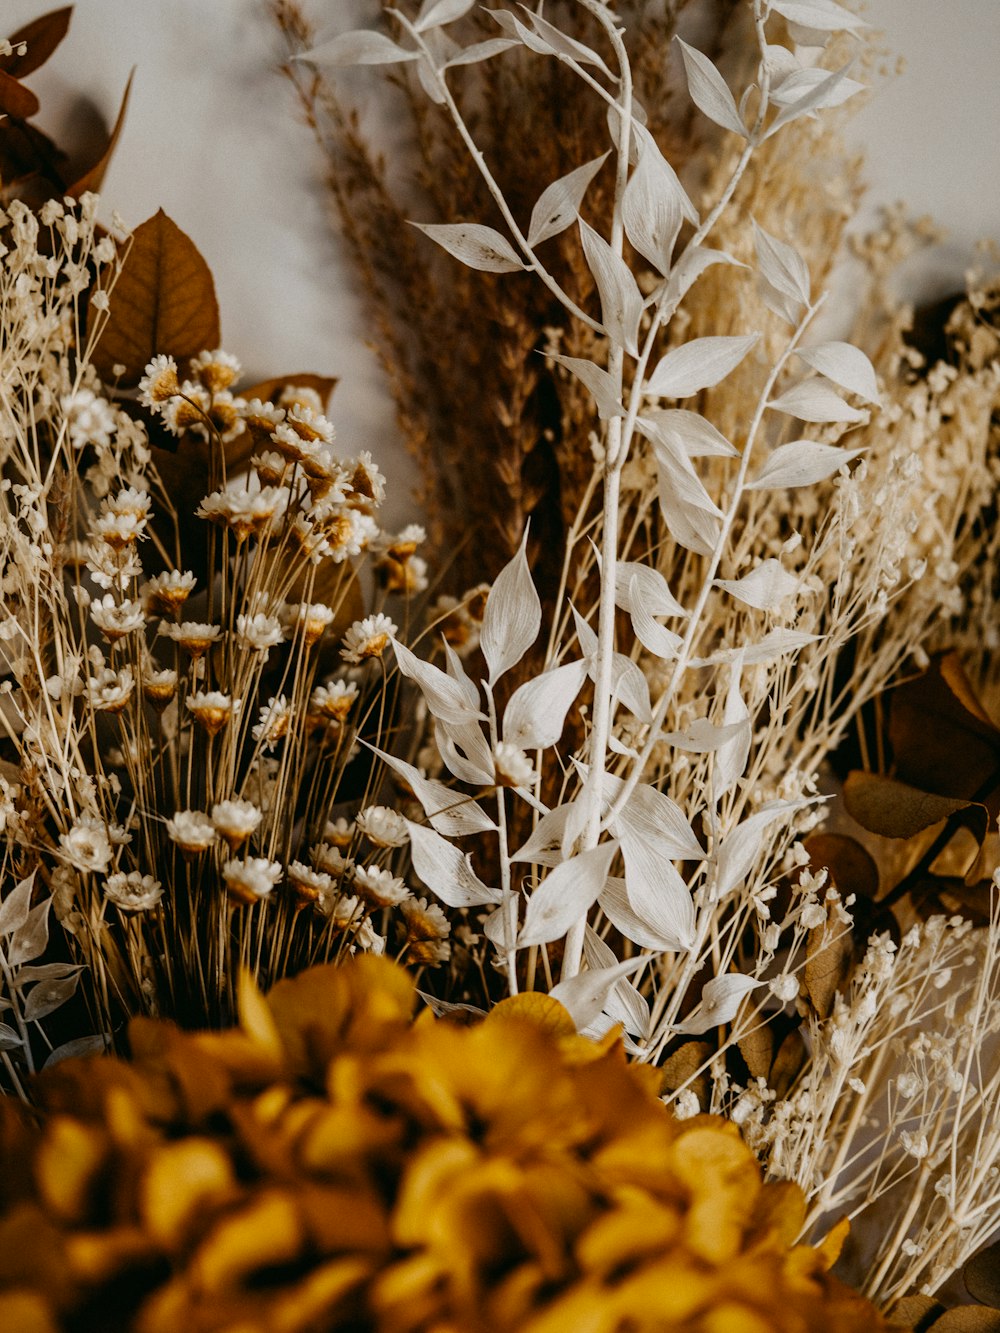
[681, 1067]
[895, 809]
[829, 950]
[787, 1063]
[15, 99]
[982, 1275]
[42, 36]
[967, 1319]
[93, 177]
[757, 1049]
[916, 1313]
[164, 302]
[852, 868]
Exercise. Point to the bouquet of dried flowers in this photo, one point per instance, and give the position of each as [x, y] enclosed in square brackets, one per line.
[236, 731]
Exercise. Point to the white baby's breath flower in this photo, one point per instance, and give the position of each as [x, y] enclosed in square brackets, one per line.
[133, 892]
[382, 826]
[191, 830]
[686, 1105]
[367, 638]
[251, 880]
[513, 767]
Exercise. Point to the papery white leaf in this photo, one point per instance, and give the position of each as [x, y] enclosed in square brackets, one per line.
[625, 1005]
[450, 812]
[615, 904]
[685, 432]
[566, 895]
[602, 386]
[446, 871]
[801, 463]
[47, 996]
[689, 512]
[821, 95]
[765, 587]
[455, 668]
[586, 637]
[629, 684]
[739, 849]
[801, 81]
[774, 644]
[781, 265]
[785, 307]
[656, 889]
[731, 758]
[815, 400]
[472, 55]
[465, 752]
[513, 616]
[619, 747]
[436, 12]
[15, 906]
[434, 88]
[562, 44]
[637, 582]
[478, 246]
[846, 365]
[360, 47]
[781, 63]
[720, 1001]
[621, 300]
[824, 15]
[585, 995]
[702, 736]
[47, 972]
[31, 937]
[654, 637]
[495, 931]
[699, 364]
[654, 204]
[559, 204]
[689, 269]
[544, 846]
[709, 90]
[9, 1038]
[651, 814]
[96, 1044]
[446, 698]
[536, 713]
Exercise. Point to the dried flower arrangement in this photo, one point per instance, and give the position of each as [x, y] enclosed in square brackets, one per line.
[229, 756]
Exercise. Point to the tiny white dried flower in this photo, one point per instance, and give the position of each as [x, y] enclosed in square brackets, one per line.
[87, 846]
[168, 592]
[133, 892]
[334, 699]
[116, 619]
[259, 632]
[686, 1105]
[191, 830]
[784, 988]
[275, 719]
[310, 619]
[193, 636]
[380, 888]
[236, 820]
[212, 709]
[367, 638]
[109, 691]
[159, 383]
[914, 1145]
[513, 767]
[382, 826]
[251, 880]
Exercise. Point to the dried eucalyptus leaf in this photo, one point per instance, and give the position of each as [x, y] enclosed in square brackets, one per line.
[535, 716]
[15, 906]
[478, 246]
[765, 587]
[359, 47]
[451, 813]
[846, 365]
[782, 265]
[603, 388]
[686, 432]
[617, 907]
[31, 937]
[586, 994]
[621, 299]
[815, 400]
[47, 996]
[720, 1002]
[446, 698]
[472, 55]
[823, 94]
[823, 15]
[435, 13]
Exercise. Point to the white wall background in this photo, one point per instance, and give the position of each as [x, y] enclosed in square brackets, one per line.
[211, 137]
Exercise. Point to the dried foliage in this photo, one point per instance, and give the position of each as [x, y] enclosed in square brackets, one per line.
[331, 1166]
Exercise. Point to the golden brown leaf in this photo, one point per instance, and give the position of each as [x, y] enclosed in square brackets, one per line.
[852, 868]
[93, 177]
[15, 99]
[894, 809]
[829, 949]
[163, 303]
[982, 1275]
[916, 1313]
[42, 36]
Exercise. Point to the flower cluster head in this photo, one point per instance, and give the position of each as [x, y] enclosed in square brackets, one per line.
[516, 1177]
[367, 638]
[132, 891]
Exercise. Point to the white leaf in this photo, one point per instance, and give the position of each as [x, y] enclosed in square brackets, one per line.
[775, 643]
[654, 204]
[566, 895]
[456, 670]
[689, 269]
[824, 15]
[785, 307]
[651, 814]
[678, 473]
[691, 515]
[476, 245]
[536, 713]
[799, 82]
[450, 812]
[822, 94]
[446, 698]
[739, 849]
[604, 389]
[14, 908]
[846, 365]
[801, 463]
[559, 204]
[561, 44]
[655, 888]
[9, 1038]
[698, 365]
[47, 996]
[621, 300]
[720, 1000]
[686, 432]
[437, 12]
[586, 994]
[616, 906]
[446, 871]
[586, 637]
[635, 582]
[629, 685]
[654, 637]
[96, 1044]
[731, 758]
[431, 81]
[465, 752]
[782, 265]
[544, 846]
[702, 736]
[765, 587]
[625, 1005]
[482, 51]
[361, 47]
[709, 90]
[31, 937]
[815, 400]
[513, 616]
